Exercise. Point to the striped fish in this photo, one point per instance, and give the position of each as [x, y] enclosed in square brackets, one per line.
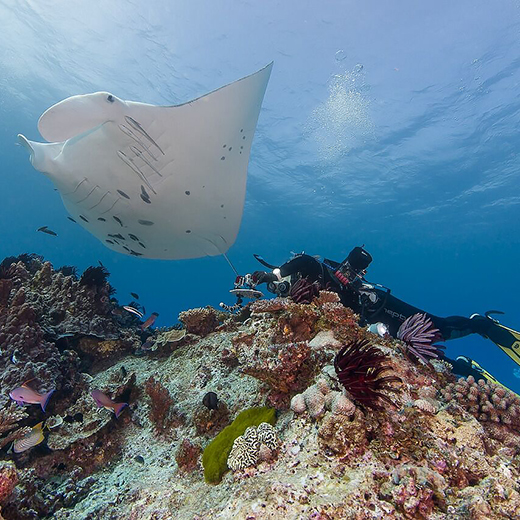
[29, 440]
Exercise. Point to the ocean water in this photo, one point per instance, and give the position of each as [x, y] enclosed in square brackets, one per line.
[389, 124]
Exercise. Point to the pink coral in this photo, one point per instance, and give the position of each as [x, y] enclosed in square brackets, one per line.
[486, 401]
[8, 480]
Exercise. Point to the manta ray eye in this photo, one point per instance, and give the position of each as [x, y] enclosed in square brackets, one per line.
[110, 98]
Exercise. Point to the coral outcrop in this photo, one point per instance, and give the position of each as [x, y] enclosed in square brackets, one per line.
[379, 435]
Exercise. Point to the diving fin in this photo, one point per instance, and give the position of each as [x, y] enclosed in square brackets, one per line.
[507, 339]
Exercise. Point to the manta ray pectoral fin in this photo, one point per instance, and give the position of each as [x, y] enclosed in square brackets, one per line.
[137, 126]
[128, 161]
[131, 134]
[139, 154]
[41, 154]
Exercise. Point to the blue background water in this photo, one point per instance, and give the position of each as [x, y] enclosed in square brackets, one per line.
[393, 124]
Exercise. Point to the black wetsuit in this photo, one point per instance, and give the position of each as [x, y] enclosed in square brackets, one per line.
[372, 303]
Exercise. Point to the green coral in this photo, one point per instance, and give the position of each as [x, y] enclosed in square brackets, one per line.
[214, 458]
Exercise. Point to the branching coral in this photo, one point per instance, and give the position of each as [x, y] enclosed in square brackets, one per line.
[162, 413]
[187, 456]
[9, 417]
[8, 480]
[419, 335]
[486, 401]
[360, 368]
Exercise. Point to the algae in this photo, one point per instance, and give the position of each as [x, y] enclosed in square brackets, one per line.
[214, 458]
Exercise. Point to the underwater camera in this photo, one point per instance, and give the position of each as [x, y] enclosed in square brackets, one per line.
[353, 268]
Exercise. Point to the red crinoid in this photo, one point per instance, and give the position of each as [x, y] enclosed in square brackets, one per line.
[304, 291]
[360, 368]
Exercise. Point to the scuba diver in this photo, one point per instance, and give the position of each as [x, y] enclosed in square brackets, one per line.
[375, 304]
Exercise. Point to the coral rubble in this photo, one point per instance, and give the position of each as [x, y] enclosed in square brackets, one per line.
[357, 428]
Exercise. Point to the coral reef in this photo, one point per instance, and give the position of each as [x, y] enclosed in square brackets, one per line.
[379, 435]
[286, 369]
[200, 322]
[486, 401]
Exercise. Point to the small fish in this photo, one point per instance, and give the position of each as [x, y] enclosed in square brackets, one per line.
[133, 310]
[45, 229]
[147, 345]
[30, 439]
[150, 321]
[26, 395]
[134, 295]
[210, 401]
[103, 401]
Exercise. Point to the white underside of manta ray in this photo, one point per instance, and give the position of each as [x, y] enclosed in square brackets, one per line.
[154, 181]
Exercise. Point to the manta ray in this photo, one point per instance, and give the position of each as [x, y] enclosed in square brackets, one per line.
[162, 182]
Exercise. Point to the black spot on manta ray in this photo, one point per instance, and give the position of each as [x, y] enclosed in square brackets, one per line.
[144, 192]
[230, 148]
[146, 199]
[244, 137]
[142, 245]
[126, 248]
[187, 192]
[188, 231]
[145, 222]
[241, 130]
[133, 237]
[101, 219]
[135, 253]
[109, 241]
[222, 205]
[222, 158]
[224, 146]
[83, 218]
[118, 220]
[123, 194]
[72, 220]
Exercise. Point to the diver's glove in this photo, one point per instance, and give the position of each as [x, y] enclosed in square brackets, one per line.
[263, 277]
